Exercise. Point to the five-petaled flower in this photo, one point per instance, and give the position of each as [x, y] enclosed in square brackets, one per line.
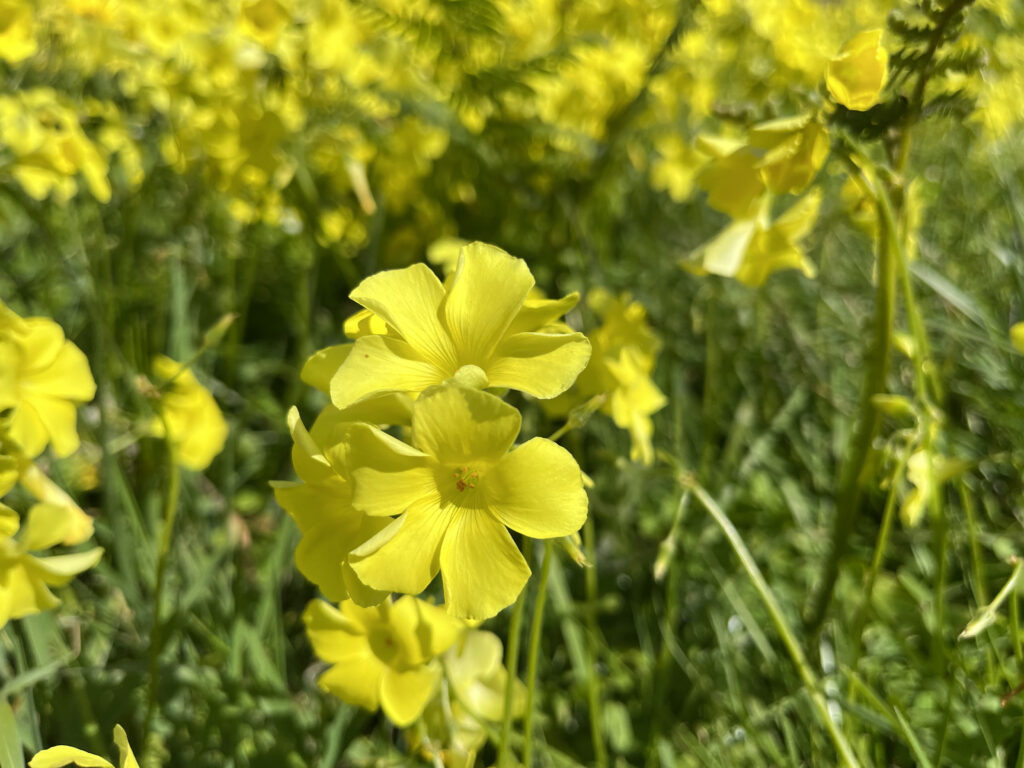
[478, 328]
[456, 488]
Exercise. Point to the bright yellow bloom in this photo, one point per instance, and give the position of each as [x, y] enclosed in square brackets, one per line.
[58, 757]
[382, 656]
[751, 249]
[43, 377]
[190, 414]
[456, 488]
[856, 77]
[476, 327]
[24, 578]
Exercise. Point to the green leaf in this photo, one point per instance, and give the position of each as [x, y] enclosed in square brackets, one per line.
[11, 753]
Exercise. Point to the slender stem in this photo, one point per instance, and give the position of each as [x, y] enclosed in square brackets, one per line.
[533, 655]
[156, 634]
[512, 665]
[848, 493]
[593, 680]
[796, 653]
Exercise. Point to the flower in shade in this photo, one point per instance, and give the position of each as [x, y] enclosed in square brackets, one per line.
[417, 332]
[382, 657]
[43, 378]
[58, 757]
[856, 77]
[189, 416]
[457, 489]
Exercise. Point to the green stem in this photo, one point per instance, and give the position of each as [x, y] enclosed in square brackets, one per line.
[156, 634]
[848, 494]
[593, 681]
[512, 665]
[810, 681]
[533, 654]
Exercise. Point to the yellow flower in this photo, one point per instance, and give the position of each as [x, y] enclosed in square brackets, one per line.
[751, 249]
[43, 377]
[625, 351]
[856, 77]
[321, 505]
[190, 414]
[456, 488]
[382, 656]
[475, 696]
[58, 757]
[24, 578]
[476, 327]
[17, 41]
[1017, 336]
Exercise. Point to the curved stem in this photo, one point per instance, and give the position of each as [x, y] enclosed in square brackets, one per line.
[536, 625]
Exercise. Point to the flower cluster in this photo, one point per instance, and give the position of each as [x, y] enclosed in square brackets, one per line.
[413, 470]
[43, 376]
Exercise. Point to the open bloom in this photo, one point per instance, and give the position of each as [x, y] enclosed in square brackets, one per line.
[456, 488]
[43, 377]
[190, 415]
[25, 579]
[856, 77]
[420, 332]
[58, 757]
[382, 656]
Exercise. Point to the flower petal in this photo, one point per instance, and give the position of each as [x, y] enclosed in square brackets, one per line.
[60, 569]
[481, 567]
[541, 364]
[379, 365]
[537, 490]
[58, 757]
[425, 628]
[407, 561]
[457, 425]
[409, 301]
[403, 695]
[126, 757]
[68, 377]
[335, 637]
[487, 292]
[322, 365]
[537, 313]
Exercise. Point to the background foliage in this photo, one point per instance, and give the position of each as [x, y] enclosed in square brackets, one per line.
[261, 157]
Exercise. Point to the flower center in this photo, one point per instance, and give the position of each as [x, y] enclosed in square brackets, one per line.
[465, 478]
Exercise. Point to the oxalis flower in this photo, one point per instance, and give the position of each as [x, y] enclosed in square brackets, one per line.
[420, 332]
[382, 656]
[58, 757]
[456, 488]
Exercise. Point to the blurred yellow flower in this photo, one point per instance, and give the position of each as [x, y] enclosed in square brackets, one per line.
[856, 77]
[751, 249]
[58, 757]
[456, 719]
[456, 488]
[17, 38]
[189, 415]
[625, 352]
[1017, 336]
[43, 377]
[24, 578]
[382, 656]
[476, 328]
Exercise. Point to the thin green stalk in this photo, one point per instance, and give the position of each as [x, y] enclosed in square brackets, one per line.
[849, 491]
[593, 681]
[512, 665]
[171, 495]
[977, 568]
[533, 655]
[789, 639]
